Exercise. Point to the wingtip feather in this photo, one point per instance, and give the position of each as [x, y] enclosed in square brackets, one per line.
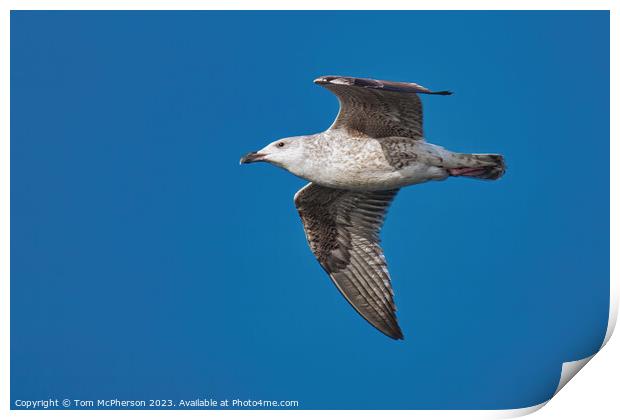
[396, 334]
[406, 87]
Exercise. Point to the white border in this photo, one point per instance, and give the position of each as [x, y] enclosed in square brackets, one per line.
[569, 369]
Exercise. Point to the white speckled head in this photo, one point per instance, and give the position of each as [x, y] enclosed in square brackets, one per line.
[288, 153]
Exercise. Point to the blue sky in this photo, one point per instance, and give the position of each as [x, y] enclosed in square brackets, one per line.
[146, 263]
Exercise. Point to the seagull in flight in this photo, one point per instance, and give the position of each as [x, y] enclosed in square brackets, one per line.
[356, 167]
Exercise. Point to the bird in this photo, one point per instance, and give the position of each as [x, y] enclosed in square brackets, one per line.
[355, 168]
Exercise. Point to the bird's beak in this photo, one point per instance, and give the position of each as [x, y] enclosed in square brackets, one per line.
[252, 157]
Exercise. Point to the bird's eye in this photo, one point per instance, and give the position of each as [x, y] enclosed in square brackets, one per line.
[281, 144]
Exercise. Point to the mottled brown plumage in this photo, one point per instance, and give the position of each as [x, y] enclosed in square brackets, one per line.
[378, 108]
[342, 228]
[375, 146]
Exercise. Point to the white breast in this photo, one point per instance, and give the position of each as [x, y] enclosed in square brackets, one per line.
[360, 164]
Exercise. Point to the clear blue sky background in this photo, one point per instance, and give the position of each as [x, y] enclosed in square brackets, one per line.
[146, 263]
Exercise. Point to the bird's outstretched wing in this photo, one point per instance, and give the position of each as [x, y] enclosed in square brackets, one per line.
[377, 108]
[342, 228]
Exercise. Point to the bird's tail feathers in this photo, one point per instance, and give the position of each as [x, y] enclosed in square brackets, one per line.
[481, 166]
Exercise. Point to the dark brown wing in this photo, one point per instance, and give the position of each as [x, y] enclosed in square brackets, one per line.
[377, 108]
[342, 228]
